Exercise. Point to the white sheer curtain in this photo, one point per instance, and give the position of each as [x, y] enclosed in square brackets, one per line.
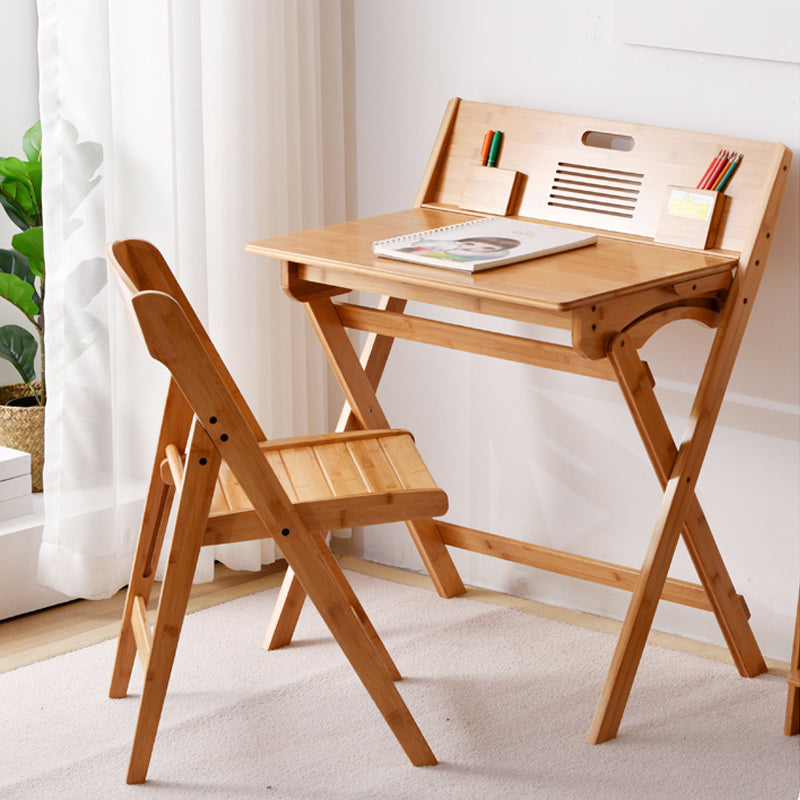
[199, 125]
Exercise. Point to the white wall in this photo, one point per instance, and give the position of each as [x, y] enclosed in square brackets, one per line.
[19, 109]
[550, 458]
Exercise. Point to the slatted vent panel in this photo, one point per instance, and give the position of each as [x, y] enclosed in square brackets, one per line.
[595, 189]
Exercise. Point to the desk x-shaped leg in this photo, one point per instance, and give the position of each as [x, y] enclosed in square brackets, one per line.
[676, 470]
[680, 513]
[359, 380]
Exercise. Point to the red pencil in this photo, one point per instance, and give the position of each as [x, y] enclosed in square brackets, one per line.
[710, 169]
[717, 170]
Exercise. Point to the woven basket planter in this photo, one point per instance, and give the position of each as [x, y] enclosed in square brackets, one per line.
[22, 428]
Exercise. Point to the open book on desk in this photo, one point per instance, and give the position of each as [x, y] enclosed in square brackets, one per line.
[482, 244]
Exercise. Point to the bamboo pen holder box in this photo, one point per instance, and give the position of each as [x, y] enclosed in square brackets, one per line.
[690, 217]
[490, 190]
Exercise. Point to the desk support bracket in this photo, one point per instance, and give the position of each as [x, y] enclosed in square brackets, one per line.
[300, 289]
[593, 324]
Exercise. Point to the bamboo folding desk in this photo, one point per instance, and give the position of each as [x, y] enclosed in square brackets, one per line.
[604, 176]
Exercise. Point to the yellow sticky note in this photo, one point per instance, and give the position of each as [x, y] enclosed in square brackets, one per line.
[676, 205]
[702, 210]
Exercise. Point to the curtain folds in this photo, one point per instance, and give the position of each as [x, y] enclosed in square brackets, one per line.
[197, 126]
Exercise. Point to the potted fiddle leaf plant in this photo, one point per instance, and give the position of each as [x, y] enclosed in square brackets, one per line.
[22, 278]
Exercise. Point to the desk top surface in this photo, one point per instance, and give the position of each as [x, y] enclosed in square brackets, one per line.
[341, 255]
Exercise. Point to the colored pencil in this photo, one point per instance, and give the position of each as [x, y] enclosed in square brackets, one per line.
[494, 150]
[723, 181]
[709, 183]
[720, 173]
[487, 143]
[711, 166]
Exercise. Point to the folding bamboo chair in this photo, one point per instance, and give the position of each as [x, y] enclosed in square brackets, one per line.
[232, 485]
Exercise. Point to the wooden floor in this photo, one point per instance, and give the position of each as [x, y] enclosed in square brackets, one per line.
[60, 629]
[44, 634]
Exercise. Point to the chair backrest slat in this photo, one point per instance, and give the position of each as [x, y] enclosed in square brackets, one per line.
[170, 339]
[175, 337]
[140, 267]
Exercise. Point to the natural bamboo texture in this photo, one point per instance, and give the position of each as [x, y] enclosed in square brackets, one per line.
[233, 485]
[332, 481]
[610, 178]
[578, 178]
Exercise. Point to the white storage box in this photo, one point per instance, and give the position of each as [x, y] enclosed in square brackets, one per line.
[16, 499]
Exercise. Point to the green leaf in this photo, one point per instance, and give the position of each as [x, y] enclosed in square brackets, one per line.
[14, 263]
[21, 191]
[18, 347]
[32, 142]
[20, 293]
[31, 244]
[15, 209]
[27, 172]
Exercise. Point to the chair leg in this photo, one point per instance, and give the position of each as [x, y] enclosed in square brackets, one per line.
[148, 550]
[792, 725]
[285, 613]
[202, 466]
[319, 577]
[175, 425]
[377, 643]
[290, 603]
[433, 552]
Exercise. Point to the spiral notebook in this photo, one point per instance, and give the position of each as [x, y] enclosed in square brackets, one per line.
[482, 244]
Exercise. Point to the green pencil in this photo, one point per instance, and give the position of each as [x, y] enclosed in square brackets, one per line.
[729, 174]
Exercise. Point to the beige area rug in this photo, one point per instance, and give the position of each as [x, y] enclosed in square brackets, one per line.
[505, 699]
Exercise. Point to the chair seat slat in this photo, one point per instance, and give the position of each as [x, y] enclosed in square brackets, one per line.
[375, 467]
[276, 462]
[316, 470]
[303, 471]
[341, 470]
[406, 461]
[229, 495]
